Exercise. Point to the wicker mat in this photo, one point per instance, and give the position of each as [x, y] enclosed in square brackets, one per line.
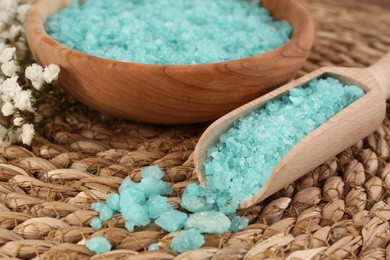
[340, 210]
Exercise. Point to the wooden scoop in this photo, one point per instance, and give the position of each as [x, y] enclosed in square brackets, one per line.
[343, 130]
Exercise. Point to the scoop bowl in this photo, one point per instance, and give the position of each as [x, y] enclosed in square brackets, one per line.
[171, 94]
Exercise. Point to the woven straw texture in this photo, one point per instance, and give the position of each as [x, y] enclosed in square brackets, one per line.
[338, 211]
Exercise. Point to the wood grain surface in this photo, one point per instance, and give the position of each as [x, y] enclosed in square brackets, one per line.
[343, 130]
[171, 94]
[383, 3]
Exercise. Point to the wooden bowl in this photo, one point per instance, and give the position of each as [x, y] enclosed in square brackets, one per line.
[171, 94]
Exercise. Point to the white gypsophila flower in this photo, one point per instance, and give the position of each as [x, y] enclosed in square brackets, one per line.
[12, 17]
[10, 86]
[9, 5]
[7, 54]
[5, 35]
[27, 133]
[10, 68]
[21, 46]
[22, 100]
[14, 31]
[51, 73]
[6, 98]
[2, 46]
[37, 84]
[22, 12]
[18, 121]
[7, 109]
[35, 74]
[6, 18]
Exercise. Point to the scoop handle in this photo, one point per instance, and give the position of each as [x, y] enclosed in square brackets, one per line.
[381, 71]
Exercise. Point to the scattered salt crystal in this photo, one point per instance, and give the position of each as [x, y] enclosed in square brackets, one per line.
[96, 223]
[238, 223]
[187, 240]
[194, 200]
[113, 202]
[98, 245]
[152, 171]
[105, 213]
[158, 204]
[153, 247]
[97, 206]
[136, 213]
[152, 186]
[129, 225]
[131, 195]
[126, 183]
[139, 203]
[212, 222]
[172, 220]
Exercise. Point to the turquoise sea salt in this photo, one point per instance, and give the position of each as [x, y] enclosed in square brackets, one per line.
[98, 245]
[168, 31]
[172, 220]
[113, 202]
[238, 223]
[158, 205]
[211, 222]
[153, 247]
[105, 212]
[239, 165]
[236, 168]
[144, 202]
[187, 240]
[96, 223]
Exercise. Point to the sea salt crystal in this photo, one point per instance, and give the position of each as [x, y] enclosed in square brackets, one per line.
[97, 206]
[152, 171]
[186, 32]
[212, 222]
[187, 240]
[152, 186]
[136, 213]
[172, 220]
[126, 183]
[105, 213]
[129, 225]
[96, 223]
[132, 195]
[238, 223]
[158, 204]
[98, 245]
[194, 199]
[113, 202]
[153, 247]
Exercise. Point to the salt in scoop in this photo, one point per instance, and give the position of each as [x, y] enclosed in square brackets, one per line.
[343, 130]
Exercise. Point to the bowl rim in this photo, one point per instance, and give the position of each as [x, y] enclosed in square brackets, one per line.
[35, 24]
